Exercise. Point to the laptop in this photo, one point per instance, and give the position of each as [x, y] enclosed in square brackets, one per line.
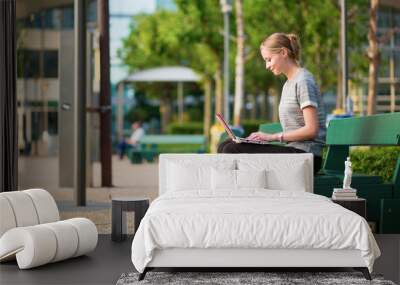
[232, 135]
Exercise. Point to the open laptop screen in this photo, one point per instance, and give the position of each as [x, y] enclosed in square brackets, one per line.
[226, 127]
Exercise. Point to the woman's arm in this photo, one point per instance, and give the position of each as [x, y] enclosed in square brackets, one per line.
[310, 129]
[308, 132]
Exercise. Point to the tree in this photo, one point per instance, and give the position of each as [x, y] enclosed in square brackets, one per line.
[357, 19]
[201, 24]
[192, 36]
[154, 41]
[239, 66]
[188, 36]
[316, 23]
[373, 54]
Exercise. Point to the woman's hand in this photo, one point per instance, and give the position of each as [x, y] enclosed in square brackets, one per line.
[260, 136]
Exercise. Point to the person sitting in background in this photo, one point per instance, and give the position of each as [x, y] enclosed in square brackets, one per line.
[133, 141]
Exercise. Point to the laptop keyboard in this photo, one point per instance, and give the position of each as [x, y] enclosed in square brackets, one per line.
[242, 140]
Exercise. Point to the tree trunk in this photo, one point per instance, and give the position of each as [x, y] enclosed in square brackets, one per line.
[373, 54]
[239, 74]
[165, 112]
[207, 110]
[219, 99]
[339, 92]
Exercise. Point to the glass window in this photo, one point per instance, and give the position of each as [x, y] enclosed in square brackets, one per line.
[36, 124]
[52, 19]
[28, 63]
[383, 89]
[24, 23]
[384, 18]
[36, 20]
[396, 18]
[384, 68]
[52, 123]
[92, 11]
[68, 18]
[397, 64]
[397, 38]
[32, 21]
[50, 63]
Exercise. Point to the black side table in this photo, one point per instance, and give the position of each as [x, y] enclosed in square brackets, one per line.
[357, 205]
[126, 204]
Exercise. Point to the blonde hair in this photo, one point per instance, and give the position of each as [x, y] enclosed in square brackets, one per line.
[277, 41]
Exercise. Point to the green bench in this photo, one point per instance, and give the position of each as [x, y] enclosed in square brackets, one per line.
[383, 199]
[152, 145]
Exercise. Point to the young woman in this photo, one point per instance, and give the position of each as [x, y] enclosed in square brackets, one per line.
[301, 111]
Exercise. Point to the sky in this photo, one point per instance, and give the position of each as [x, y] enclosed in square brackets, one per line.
[121, 12]
[132, 6]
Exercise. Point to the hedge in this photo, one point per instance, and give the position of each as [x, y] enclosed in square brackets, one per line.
[189, 128]
[375, 161]
[250, 126]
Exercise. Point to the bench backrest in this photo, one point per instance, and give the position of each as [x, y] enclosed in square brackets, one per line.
[382, 129]
[376, 130]
[173, 139]
[270, 128]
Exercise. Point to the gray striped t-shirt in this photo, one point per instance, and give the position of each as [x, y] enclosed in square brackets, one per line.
[298, 93]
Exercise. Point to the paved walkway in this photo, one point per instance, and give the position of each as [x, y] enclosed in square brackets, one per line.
[140, 180]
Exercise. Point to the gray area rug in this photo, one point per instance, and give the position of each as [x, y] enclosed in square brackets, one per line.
[229, 278]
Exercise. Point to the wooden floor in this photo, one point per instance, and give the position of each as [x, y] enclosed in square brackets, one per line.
[111, 259]
[103, 266]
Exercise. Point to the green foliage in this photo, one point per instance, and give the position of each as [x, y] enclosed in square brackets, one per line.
[185, 128]
[143, 113]
[251, 126]
[195, 114]
[151, 41]
[357, 29]
[316, 23]
[188, 36]
[142, 110]
[375, 161]
[192, 36]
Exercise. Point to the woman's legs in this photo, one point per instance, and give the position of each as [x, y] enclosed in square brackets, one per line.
[230, 146]
[223, 144]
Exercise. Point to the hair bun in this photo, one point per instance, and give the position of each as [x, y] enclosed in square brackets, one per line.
[294, 44]
[277, 41]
